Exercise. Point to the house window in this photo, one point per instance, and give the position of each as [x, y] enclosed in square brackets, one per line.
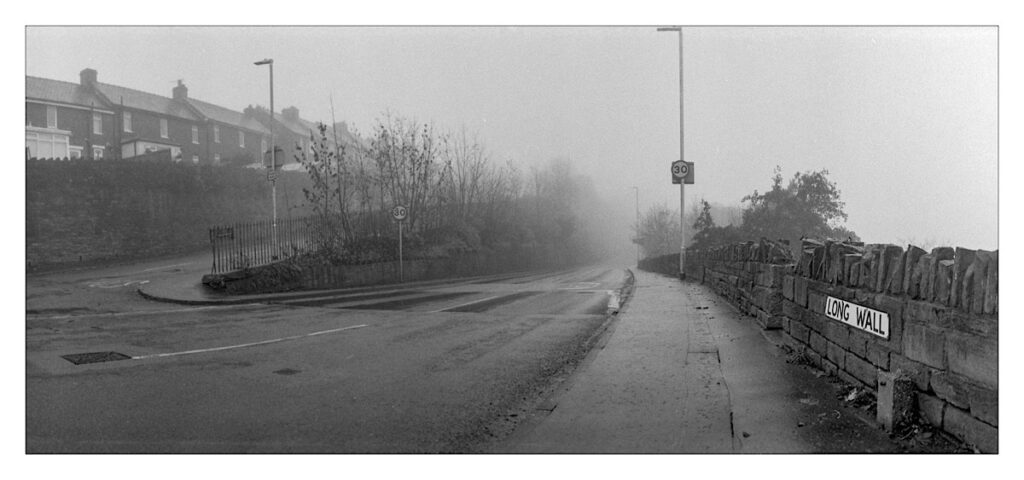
[263, 145]
[75, 152]
[216, 158]
[47, 145]
[216, 134]
[195, 134]
[241, 139]
[51, 116]
[163, 128]
[97, 124]
[97, 153]
[195, 159]
[127, 119]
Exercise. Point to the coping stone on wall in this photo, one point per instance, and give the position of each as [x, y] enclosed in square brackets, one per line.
[891, 255]
[962, 260]
[910, 267]
[991, 304]
[938, 255]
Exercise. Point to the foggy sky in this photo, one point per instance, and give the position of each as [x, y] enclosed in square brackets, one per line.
[903, 118]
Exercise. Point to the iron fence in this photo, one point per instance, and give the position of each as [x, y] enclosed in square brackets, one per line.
[244, 245]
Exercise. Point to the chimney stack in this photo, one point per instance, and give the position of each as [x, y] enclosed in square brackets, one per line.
[180, 92]
[87, 77]
[291, 113]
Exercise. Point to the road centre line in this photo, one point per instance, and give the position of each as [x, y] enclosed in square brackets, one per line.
[243, 345]
[465, 304]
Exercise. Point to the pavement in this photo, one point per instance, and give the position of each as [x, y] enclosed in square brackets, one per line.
[681, 371]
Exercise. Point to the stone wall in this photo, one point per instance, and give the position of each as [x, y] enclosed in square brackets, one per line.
[83, 211]
[942, 308]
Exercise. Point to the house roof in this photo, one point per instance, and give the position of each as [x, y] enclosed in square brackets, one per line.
[60, 92]
[297, 126]
[140, 100]
[228, 116]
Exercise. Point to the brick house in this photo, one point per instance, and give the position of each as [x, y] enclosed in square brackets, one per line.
[98, 120]
[65, 120]
[292, 133]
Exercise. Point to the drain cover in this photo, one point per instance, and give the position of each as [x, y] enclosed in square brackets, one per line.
[94, 357]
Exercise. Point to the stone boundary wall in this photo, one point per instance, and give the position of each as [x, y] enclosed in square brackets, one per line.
[942, 307]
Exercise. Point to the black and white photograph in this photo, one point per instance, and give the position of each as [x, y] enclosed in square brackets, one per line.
[505, 239]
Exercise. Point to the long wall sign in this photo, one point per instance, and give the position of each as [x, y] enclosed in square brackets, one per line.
[863, 318]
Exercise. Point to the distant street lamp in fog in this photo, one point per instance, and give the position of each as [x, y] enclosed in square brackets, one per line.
[636, 190]
[682, 186]
[273, 149]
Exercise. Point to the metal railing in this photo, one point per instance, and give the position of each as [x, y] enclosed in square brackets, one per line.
[244, 245]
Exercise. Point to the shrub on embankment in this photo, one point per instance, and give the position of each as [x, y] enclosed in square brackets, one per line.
[942, 309]
[80, 211]
[310, 272]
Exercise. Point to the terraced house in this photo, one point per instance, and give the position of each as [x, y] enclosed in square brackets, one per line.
[104, 121]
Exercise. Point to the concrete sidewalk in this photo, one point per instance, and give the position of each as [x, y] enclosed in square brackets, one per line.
[683, 372]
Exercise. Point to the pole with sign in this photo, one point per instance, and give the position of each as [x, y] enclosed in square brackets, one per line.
[399, 212]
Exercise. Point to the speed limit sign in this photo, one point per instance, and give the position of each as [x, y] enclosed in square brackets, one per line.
[682, 172]
[399, 212]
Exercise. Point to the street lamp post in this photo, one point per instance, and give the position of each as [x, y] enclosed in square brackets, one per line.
[636, 190]
[273, 148]
[682, 186]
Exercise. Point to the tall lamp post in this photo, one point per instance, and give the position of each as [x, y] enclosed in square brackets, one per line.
[682, 186]
[636, 190]
[272, 175]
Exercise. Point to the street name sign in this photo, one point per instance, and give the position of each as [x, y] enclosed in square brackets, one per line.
[682, 172]
[857, 316]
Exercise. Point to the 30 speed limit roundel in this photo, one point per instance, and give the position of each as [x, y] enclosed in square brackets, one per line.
[399, 212]
[680, 169]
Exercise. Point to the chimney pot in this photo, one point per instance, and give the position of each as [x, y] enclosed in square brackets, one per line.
[87, 77]
[180, 92]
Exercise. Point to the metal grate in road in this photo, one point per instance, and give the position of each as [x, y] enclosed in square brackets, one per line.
[94, 357]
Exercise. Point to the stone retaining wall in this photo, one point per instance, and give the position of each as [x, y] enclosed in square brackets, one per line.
[942, 308]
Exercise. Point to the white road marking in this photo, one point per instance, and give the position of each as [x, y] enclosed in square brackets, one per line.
[244, 345]
[118, 284]
[144, 312]
[581, 286]
[167, 266]
[465, 304]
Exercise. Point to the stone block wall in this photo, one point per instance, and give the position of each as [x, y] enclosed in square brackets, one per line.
[942, 307]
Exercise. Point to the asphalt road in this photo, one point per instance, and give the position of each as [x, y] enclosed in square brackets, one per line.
[444, 368]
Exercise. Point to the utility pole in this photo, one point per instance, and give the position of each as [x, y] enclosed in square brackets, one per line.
[682, 186]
